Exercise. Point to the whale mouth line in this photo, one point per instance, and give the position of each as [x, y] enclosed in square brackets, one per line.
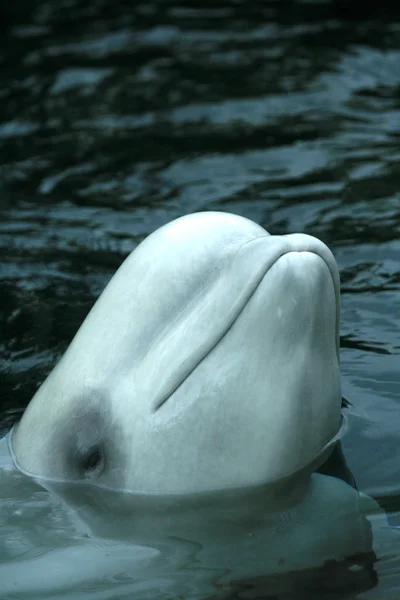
[189, 371]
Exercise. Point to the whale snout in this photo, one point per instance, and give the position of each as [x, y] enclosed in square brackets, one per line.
[211, 360]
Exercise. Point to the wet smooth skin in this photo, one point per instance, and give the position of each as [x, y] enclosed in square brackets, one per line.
[211, 360]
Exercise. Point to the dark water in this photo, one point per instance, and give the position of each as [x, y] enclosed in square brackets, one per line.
[118, 117]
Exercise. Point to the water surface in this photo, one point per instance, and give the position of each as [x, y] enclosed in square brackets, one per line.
[116, 118]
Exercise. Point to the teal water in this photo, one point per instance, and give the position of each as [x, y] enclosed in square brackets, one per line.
[117, 117]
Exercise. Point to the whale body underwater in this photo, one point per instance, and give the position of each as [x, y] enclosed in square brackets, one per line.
[210, 361]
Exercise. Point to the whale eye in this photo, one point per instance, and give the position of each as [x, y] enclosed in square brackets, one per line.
[91, 461]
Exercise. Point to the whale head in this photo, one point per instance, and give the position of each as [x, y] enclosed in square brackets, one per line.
[211, 360]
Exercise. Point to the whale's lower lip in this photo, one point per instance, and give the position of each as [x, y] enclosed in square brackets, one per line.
[324, 254]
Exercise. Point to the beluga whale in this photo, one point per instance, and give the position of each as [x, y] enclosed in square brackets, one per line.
[209, 362]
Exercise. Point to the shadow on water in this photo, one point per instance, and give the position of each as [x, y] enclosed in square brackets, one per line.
[118, 117]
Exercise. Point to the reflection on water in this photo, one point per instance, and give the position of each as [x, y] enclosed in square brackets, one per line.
[116, 118]
[298, 540]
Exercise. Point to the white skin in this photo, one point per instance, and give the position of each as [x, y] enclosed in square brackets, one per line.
[210, 361]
